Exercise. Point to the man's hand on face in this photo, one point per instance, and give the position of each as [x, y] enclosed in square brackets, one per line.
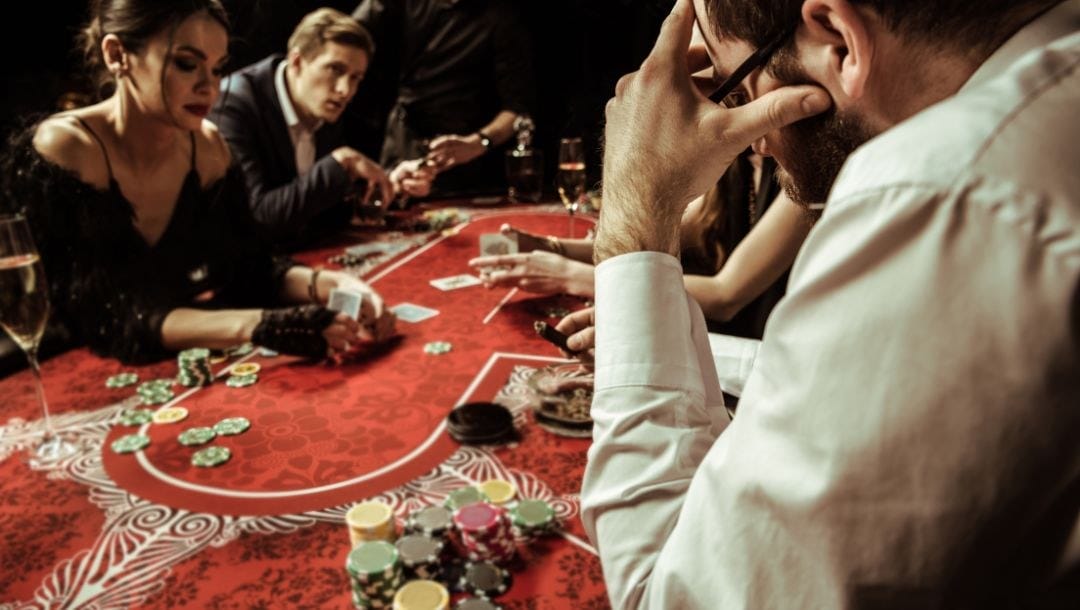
[666, 143]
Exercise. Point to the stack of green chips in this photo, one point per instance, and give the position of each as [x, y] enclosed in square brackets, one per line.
[194, 366]
[533, 517]
[156, 392]
[136, 417]
[375, 572]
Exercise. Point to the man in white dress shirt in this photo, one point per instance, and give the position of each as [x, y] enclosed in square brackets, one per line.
[909, 434]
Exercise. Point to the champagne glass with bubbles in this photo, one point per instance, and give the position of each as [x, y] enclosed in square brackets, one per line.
[24, 308]
[570, 179]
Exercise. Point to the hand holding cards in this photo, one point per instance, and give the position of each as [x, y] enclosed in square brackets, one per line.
[346, 301]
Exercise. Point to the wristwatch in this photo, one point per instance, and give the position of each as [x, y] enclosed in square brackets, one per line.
[484, 141]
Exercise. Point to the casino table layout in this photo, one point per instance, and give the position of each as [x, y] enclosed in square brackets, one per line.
[266, 529]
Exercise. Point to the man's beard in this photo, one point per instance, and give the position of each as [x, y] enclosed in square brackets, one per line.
[814, 149]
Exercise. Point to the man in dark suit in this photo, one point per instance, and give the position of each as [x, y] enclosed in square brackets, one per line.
[280, 118]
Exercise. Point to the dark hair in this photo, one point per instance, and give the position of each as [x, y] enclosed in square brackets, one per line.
[135, 22]
[329, 25]
[973, 27]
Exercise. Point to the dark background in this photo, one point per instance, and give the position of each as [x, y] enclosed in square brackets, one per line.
[580, 48]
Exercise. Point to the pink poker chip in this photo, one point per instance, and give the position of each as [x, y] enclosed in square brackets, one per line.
[478, 517]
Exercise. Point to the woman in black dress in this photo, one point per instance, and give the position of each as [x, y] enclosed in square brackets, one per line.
[141, 218]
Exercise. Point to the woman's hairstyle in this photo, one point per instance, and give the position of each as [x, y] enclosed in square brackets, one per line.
[135, 22]
[329, 25]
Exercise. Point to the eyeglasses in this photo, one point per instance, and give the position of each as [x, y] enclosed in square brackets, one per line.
[758, 59]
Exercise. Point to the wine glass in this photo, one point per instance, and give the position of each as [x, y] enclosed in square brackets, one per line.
[570, 179]
[24, 307]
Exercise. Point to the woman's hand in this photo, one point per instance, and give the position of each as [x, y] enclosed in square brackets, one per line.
[537, 271]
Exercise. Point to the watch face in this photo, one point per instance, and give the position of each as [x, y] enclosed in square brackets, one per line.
[485, 141]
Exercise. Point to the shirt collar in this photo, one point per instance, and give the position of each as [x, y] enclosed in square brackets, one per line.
[1057, 22]
[292, 119]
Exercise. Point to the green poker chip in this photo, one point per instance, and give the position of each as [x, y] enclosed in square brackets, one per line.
[438, 347]
[464, 496]
[231, 426]
[241, 381]
[121, 380]
[136, 417]
[211, 456]
[196, 436]
[130, 443]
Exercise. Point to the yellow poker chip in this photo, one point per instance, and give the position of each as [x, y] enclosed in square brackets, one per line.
[170, 415]
[245, 368]
[218, 359]
[498, 491]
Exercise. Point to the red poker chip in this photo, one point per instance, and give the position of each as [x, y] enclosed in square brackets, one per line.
[477, 518]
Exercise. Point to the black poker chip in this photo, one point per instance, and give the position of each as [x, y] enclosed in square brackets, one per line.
[485, 579]
[477, 603]
[480, 423]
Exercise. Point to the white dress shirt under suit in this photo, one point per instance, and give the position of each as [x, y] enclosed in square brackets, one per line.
[909, 434]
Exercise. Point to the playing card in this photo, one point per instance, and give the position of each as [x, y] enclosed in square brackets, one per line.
[409, 312]
[345, 301]
[492, 244]
[455, 281]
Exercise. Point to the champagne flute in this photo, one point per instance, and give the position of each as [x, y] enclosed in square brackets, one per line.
[570, 179]
[24, 308]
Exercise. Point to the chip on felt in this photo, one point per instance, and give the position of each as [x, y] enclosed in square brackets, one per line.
[438, 347]
[211, 456]
[136, 417]
[245, 368]
[498, 491]
[241, 381]
[130, 443]
[232, 425]
[121, 380]
[170, 415]
[196, 436]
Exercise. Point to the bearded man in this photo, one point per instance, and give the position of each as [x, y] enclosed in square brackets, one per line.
[907, 436]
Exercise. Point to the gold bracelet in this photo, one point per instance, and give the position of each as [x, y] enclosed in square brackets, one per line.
[313, 289]
[555, 245]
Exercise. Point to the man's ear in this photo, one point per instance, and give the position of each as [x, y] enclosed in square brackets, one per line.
[295, 59]
[114, 55]
[845, 39]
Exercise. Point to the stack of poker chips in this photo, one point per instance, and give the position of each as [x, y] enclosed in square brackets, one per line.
[372, 520]
[433, 521]
[476, 603]
[375, 572]
[533, 517]
[422, 595]
[485, 532]
[194, 367]
[421, 555]
[484, 579]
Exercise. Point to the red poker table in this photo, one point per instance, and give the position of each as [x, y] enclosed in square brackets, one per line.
[266, 529]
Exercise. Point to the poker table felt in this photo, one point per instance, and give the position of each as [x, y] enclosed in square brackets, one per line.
[267, 527]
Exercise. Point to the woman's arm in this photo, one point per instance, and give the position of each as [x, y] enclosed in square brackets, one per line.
[758, 261]
[215, 329]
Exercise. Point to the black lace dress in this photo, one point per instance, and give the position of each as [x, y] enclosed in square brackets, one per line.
[111, 290]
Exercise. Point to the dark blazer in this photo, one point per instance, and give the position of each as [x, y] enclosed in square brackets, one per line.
[290, 208]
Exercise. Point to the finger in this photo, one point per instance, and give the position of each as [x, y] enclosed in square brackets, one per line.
[778, 108]
[508, 229]
[582, 340]
[675, 33]
[576, 321]
[386, 187]
[369, 191]
[697, 59]
[439, 143]
[377, 303]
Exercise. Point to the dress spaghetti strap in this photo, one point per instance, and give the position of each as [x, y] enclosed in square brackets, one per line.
[108, 164]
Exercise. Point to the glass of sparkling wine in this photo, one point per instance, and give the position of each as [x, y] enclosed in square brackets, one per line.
[570, 179]
[24, 308]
